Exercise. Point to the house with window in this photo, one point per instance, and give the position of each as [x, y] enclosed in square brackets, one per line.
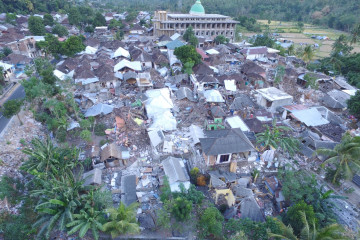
[222, 146]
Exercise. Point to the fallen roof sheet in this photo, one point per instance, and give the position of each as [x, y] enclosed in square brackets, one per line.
[237, 122]
[99, 109]
[213, 96]
[310, 117]
[136, 66]
[121, 52]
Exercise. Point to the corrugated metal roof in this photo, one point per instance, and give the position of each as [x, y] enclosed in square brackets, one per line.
[310, 117]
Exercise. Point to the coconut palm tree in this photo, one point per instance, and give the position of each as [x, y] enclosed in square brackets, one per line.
[355, 34]
[291, 50]
[345, 154]
[121, 220]
[308, 54]
[309, 232]
[278, 137]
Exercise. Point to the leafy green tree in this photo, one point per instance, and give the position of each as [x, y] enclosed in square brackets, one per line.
[122, 220]
[187, 68]
[341, 46]
[280, 72]
[11, 189]
[189, 33]
[119, 35]
[308, 54]
[74, 16]
[311, 81]
[36, 26]
[131, 16]
[6, 51]
[187, 53]
[277, 137]
[60, 30]
[89, 29]
[73, 45]
[48, 20]
[221, 39]
[10, 18]
[2, 78]
[99, 20]
[300, 26]
[86, 135]
[51, 45]
[355, 34]
[115, 24]
[251, 229]
[353, 104]
[294, 216]
[310, 232]
[193, 41]
[264, 40]
[345, 155]
[11, 108]
[210, 223]
[181, 209]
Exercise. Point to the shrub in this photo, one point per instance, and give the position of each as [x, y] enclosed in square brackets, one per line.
[210, 223]
[181, 209]
[99, 129]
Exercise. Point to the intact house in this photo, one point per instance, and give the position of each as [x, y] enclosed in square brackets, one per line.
[272, 98]
[222, 146]
[253, 53]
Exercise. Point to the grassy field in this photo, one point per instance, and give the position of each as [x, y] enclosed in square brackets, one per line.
[290, 31]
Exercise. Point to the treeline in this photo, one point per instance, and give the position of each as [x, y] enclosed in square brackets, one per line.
[34, 6]
[342, 14]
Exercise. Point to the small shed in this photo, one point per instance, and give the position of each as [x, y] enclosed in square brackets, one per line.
[113, 156]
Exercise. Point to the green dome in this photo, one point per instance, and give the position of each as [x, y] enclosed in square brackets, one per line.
[197, 8]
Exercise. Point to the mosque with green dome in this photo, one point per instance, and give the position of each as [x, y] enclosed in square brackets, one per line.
[205, 25]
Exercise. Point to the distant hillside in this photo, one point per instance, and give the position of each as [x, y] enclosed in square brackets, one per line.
[33, 6]
[339, 14]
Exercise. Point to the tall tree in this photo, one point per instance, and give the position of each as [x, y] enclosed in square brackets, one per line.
[278, 137]
[48, 20]
[308, 54]
[345, 155]
[294, 216]
[99, 20]
[354, 104]
[310, 232]
[341, 47]
[36, 26]
[188, 33]
[73, 45]
[187, 53]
